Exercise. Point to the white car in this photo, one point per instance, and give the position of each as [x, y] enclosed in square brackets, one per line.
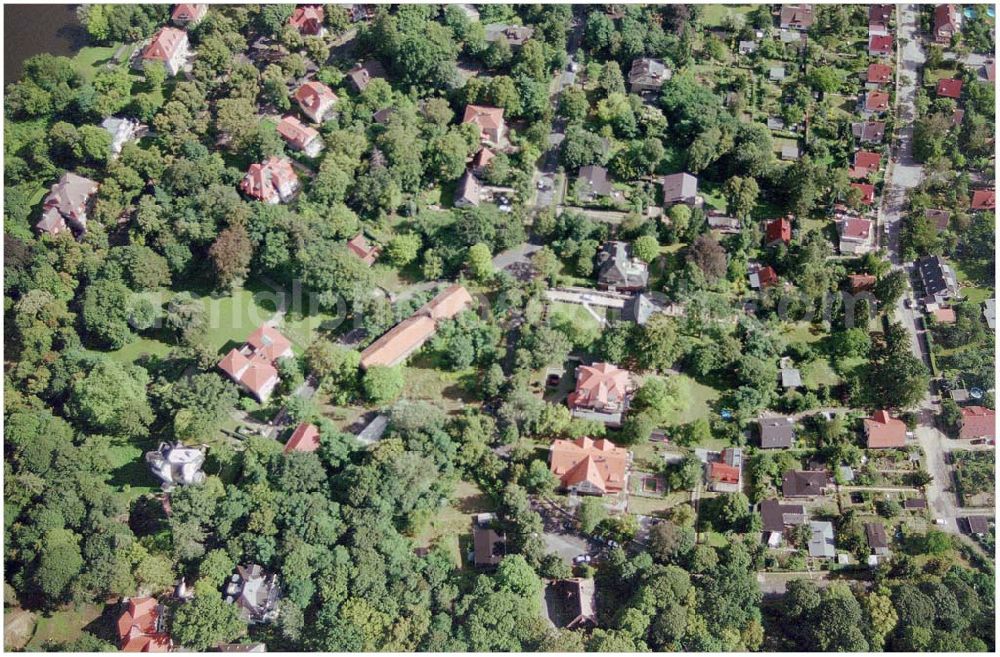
[940, 521]
[581, 558]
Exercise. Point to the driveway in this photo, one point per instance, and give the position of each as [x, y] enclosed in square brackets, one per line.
[517, 260]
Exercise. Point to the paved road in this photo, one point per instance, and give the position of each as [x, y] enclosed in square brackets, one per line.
[516, 259]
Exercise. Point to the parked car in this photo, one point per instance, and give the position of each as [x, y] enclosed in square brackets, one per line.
[979, 441]
[552, 380]
[582, 558]
[940, 521]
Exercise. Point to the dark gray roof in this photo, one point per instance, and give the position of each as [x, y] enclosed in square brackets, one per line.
[776, 432]
[638, 309]
[618, 269]
[876, 535]
[803, 483]
[597, 179]
[915, 503]
[937, 276]
[488, 545]
[777, 515]
[978, 524]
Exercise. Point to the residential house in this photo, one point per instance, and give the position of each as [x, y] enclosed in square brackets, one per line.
[804, 483]
[639, 308]
[868, 132]
[861, 282]
[170, 47]
[978, 422]
[272, 181]
[595, 181]
[776, 73]
[188, 15]
[821, 544]
[747, 47]
[363, 74]
[776, 432]
[945, 23]
[308, 20]
[915, 504]
[776, 517]
[174, 464]
[514, 35]
[880, 45]
[589, 467]
[867, 192]
[255, 592]
[383, 115]
[362, 13]
[570, 603]
[878, 19]
[790, 152]
[876, 102]
[252, 366]
[67, 204]
[468, 192]
[796, 17]
[726, 474]
[939, 218]
[762, 277]
[978, 525]
[142, 627]
[602, 393]
[984, 199]
[878, 541]
[939, 280]
[791, 378]
[316, 101]
[949, 88]
[857, 236]
[723, 224]
[305, 438]
[865, 163]
[359, 246]
[775, 123]
[300, 136]
[878, 75]
[409, 335]
[122, 131]
[681, 188]
[778, 231]
[618, 269]
[990, 313]
[884, 432]
[488, 547]
[489, 120]
[481, 160]
[647, 75]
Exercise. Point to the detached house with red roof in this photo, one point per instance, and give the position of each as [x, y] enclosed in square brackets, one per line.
[762, 277]
[271, 181]
[945, 23]
[188, 15]
[878, 19]
[867, 192]
[726, 474]
[142, 627]
[252, 366]
[876, 102]
[305, 438]
[865, 164]
[300, 136]
[170, 47]
[984, 199]
[880, 45]
[978, 422]
[778, 231]
[67, 205]
[878, 75]
[602, 393]
[949, 88]
[489, 120]
[316, 100]
[589, 467]
[856, 236]
[359, 246]
[883, 431]
[410, 334]
[861, 282]
[308, 20]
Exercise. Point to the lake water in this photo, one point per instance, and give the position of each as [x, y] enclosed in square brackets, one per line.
[33, 29]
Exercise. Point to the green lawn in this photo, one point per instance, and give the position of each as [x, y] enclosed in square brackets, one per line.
[450, 525]
[140, 347]
[695, 397]
[801, 332]
[62, 626]
[818, 373]
[713, 15]
[579, 323]
[429, 381]
[655, 506]
[91, 59]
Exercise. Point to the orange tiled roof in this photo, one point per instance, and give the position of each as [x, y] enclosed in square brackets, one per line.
[296, 132]
[305, 438]
[884, 431]
[599, 385]
[949, 88]
[723, 473]
[984, 199]
[164, 45]
[598, 462]
[978, 422]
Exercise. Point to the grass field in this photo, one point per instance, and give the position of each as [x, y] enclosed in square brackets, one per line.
[655, 506]
[696, 399]
[713, 15]
[818, 373]
[61, 626]
[452, 524]
[452, 390]
[581, 324]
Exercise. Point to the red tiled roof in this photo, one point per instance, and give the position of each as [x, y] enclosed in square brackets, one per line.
[489, 120]
[944, 315]
[991, 71]
[295, 132]
[598, 462]
[867, 159]
[305, 438]
[253, 365]
[263, 180]
[984, 199]
[876, 101]
[360, 247]
[137, 627]
[949, 88]
[879, 73]
[861, 282]
[269, 342]
[779, 230]
[978, 422]
[186, 13]
[312, 95]
[859, 229]
[482, 158]
[884, 431]
[722, 473]
[767, 276]
[164, 45]
[880, 43]
[307, 19]
[599, 385]
[867, 192]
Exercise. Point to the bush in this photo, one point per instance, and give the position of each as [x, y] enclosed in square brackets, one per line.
[382, 385]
